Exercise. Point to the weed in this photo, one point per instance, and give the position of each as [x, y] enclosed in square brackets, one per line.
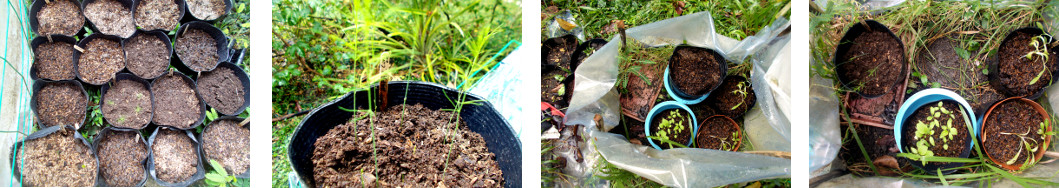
[219, 177]
[1039, 44]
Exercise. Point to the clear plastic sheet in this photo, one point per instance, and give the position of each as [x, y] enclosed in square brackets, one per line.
[825, 139]
[555, 30]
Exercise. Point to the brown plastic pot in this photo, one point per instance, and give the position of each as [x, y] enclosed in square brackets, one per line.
[985, 135]
[739, 140]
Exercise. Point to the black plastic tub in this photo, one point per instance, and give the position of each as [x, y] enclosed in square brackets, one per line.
[127, 76]
[157, 34]
[97, 36]
[218, 36]
[39, 84]
[994, 73]
[243, 78]
[128, 4]
[202, 151]
[187, 9]
[39, 40]
[34, 24]
[181, 6]
[482, 119]
[684, 96]
[39, 134]
[846, 42]
[199, 173]
[103, 135]
[191, 84]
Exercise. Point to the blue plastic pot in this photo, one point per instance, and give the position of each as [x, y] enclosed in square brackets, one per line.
[681, 96]
[666, 106]
[928, 96]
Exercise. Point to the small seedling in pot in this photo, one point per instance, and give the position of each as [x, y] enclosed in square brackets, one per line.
[1028, 144]
[219, 177]
[742, 87]
[925, 131]
[671, 124]
[1040, 47]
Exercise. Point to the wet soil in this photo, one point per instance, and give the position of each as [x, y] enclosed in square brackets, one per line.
[695, 71]
[873, 64]
[111, 18]
[718, 133]
[206, 9]
[127, 104]
[197, 50]
[681, 137]
[157, 14]
[175, 102]
[1015, 71]
[229, 144]
[60, 17]
[151, 56]
[175, 156]
[101, 60]
[413, 145]
[121, 156]
[1000, 133]
[734, 97]
[57, 160]
[55, 61]
[956, 145]
[222, 90]
[61, 104]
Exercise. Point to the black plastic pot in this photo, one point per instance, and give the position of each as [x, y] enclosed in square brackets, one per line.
[844, 44]
[124, 3]
[243, 78]
[181, 6]
[202, 151]
[199, 173]
[582, 51]
[38, 84]
[218, 36]
[126, 76]
[103, 135]
[994, 73]
[157, 34]
[39, 40]
[227, 10]
[680, 93]
[84, 42]
[34, 24]
[191, 84]
[482, 119]
[40, 134]
[566, 42]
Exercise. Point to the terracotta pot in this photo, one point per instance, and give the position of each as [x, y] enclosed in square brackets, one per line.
[738, 140]
[985, 135]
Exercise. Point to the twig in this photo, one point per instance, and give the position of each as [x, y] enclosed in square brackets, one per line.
[281, 118]
[869, 123]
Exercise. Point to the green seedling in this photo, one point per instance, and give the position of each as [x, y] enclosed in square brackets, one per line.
[741, 91]
[671, 125]
[926, 131]
[1040, 47]
[1028, 144]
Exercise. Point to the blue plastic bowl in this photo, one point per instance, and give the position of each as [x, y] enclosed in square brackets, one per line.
[925, 97]
[670, 89]
[666, 106]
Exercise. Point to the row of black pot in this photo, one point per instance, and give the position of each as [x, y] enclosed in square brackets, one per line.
[221, 39]
[128, 4]
[147, 161]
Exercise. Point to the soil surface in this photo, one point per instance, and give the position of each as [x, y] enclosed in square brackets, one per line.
[718, 133]
[127, 104]
[734, 97]
[151, 56]
[175, 102]
[222, 90]
[101, 60]
[956, 145]
[695, 71]
[942, 65]
[111, 18]
[229, 144]
[1016, 71]
[556, 70]
[878, 143]
[55, 61]
[414, 146]
[681, 137]
[60, 17]
[157, 14]
[197, 50]
[121, 155]
[1001, 134]
[206, 9]
[175, 156]
[57, 160]
[61, 104]
[873, 64]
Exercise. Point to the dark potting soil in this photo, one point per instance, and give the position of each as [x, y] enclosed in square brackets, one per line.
[681, 137]
[197, 50]
[55, 61]
[60, 17]
[57, 160]
[873, 63]
[718, 133]
[127, 104]
[111, 18]
[940, 64]
[61, 104]
[695, 71]
[175, 102]
[734, 97]
[101, 60]
[877, 142]
[1001, 134]
[157, 14]
[222, 90]
[1016, 71]
[206, 9]
[553, 79]
[175, 156]
[121, 156]
[413, 145]
[229, 144]
[151, 56]
[956, 145]
[553, 89]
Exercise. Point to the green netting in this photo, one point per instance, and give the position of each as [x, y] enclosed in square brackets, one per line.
[15, 114]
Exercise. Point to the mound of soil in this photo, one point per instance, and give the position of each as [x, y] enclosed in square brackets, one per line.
[1001, 131]
[718, 133]
[873, 63]
[206, 9]
[197, 50]
[956, 145]
[152, 55]
[175, 156]
[229, 144]
[57, 160]
[175, 102]
[61, 17]
[55, 61]
[110, 17]
[734, 97]
[1016, 71]
[121, 155]
[222, 90]
[695, 71]
[682, 137]
[61, 104]
[127, 104]
[157, 14]
[413, 147]
[101, 60]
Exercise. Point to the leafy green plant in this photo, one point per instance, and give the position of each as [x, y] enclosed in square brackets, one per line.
[1040, 47]
[741, 90]
[670, 125]
[218, 177]
[925, 131]
[1030, 145]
